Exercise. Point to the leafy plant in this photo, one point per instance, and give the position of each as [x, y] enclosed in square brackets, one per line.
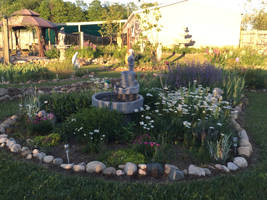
[50, 140]
[123, 156]
[95, 125]
[63, 105]
[219, 149]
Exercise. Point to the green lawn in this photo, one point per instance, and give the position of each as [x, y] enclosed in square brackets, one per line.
[25, 180]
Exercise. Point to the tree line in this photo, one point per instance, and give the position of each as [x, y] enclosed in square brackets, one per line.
[59, 11]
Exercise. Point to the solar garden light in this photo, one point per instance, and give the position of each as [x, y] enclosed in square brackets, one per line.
[67, 149]
[235, 141]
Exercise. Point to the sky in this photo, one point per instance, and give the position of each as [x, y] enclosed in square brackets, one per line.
[255, 4]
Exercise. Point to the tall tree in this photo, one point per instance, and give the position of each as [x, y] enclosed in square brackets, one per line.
[95, 11]
[259, 22]
[111, 13]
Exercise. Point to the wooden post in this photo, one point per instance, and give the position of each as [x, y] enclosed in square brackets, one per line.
[6, 41]
[49, 38]
[81, 40]
[39, 35]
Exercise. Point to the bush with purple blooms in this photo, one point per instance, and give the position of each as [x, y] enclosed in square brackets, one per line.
[205, 74]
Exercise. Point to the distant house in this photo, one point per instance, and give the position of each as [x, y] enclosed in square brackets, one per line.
[211, 23]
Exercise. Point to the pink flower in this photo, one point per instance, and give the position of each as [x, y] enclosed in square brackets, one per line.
[145, 142]
[157, 145]
[237, 59]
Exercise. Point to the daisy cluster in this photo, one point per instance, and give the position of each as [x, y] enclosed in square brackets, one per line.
[195, 106]
[91, 136]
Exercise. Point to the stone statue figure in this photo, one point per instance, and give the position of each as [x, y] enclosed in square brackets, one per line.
[131, 60]
[61, 37]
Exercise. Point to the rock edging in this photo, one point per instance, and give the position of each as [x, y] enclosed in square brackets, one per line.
[155, 170]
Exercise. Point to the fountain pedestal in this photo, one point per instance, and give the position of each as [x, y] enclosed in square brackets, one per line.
[125, 98]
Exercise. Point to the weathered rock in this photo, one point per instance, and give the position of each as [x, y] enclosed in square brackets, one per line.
[120, 172]
[2, 129]
[168, 167]
[207, 171]
[40, 156]
[175, 174]
[142, 166]
[48, 159]
[10, 142]
[35, 151]
[110, 171]
[25, 151]
[231, 166]
[66, 166]
[57, 161]
[3, 140]
[3, 136]
[185, 171]
[155, 170]
[79, 168]
[142, 172]
[236, 125]
[222, 167]
[243, 134]
[15, 148]
[95, 167]
[244, 151]
[194, 170]
[240, 162]
[29, 156]
[3, 91]
[130, 168]
[244, 142]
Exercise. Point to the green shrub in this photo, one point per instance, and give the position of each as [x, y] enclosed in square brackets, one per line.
[255, 78]
[50, 140]
[23, 73]
[95, 125]
[52, 53]
[233, 86]
[123, 156]
[40, 128]
[63, 105]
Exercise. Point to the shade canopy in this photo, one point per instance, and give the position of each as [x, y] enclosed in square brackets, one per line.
[27, 17]
[25, 12]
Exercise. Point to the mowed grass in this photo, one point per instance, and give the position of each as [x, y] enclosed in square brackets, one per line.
[20, 179]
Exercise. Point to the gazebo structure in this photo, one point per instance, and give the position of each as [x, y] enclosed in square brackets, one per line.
[28, 19]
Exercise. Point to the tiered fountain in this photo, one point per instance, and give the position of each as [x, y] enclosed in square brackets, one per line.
[125, 97]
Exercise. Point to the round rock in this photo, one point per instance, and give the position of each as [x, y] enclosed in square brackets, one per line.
[120, 172]
[66, 166]
[130, 168]
[79, 168]
[194, 170]
[95, 167]
[48, 159]
[110, 171]
[57, 161]
[232, 166]
[240, 162]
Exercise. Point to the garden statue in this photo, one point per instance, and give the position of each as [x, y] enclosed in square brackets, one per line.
[131, 60]
[61, 44]
[61, 37]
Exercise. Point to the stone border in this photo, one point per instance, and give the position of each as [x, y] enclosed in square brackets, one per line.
[152, 169]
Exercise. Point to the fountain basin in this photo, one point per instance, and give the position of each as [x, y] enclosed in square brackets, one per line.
[108, 100]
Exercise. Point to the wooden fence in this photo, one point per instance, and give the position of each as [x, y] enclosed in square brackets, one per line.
[255, 39]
